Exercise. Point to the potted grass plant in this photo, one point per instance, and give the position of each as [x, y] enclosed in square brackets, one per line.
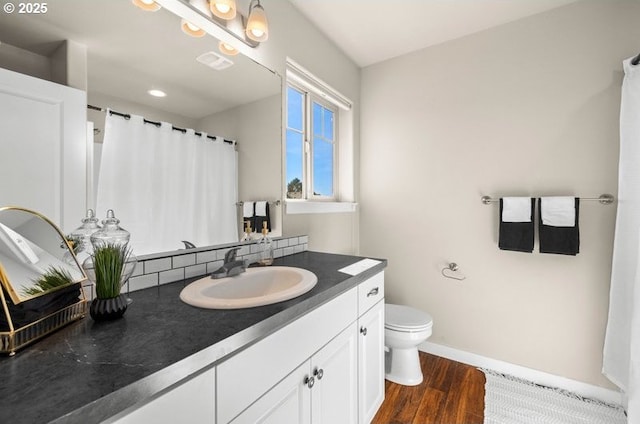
[108, 272]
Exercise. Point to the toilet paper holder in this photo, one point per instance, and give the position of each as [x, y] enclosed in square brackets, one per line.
[449, 271]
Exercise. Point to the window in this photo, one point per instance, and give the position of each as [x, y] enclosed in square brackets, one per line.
[311, 145]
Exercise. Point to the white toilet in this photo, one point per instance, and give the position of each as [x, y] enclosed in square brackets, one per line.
[404, 329]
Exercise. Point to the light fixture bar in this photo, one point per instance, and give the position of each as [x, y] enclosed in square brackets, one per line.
[230, 32]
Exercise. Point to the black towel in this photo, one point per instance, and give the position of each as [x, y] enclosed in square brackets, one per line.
[560, 240]
[516, 236]
[260, 219]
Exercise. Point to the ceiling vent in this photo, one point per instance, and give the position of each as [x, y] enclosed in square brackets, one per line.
[214, 60]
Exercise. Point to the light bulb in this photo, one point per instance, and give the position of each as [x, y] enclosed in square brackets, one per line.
[191, 29]
[227, 49]
[223, 9]
[257, 26]
[148, 5]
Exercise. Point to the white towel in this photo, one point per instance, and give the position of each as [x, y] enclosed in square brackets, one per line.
[558, 211]
[247, 209]
[261, 208]
[516, 209]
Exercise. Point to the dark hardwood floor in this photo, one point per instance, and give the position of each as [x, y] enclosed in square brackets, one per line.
[451, 393]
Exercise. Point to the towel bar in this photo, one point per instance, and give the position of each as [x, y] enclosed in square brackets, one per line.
[604, 199]
[275, 202]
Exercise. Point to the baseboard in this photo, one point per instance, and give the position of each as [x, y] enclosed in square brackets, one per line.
[539, 377]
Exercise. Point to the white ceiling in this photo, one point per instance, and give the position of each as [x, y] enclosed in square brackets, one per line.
[371, 31]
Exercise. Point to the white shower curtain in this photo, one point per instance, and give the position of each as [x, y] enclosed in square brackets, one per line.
[622, 342]
[166, 186]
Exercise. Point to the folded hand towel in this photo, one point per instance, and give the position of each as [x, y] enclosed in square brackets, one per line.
[558, 211]
[516, 236]
[261, 208]
[516, 209]
[247, 209]
[563, 240]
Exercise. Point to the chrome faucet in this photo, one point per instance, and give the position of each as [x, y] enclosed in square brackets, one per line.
[231, 265]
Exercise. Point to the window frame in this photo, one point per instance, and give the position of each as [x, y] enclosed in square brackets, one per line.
[309, 98]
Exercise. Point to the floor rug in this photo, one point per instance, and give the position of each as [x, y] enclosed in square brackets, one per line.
[510, 400]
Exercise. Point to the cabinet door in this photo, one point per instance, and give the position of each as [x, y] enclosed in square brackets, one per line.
[44, 151]
[334, 396]
[289, 402]
[192, 401]
[371, 362]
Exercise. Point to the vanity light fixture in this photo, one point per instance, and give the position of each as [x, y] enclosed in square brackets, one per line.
[189, 27]
[240, 32]
[157, 93]
[227, 49]
[223, 9]
[148, 5]
[257, 27]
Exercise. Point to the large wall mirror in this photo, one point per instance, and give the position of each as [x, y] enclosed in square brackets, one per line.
[129, 52]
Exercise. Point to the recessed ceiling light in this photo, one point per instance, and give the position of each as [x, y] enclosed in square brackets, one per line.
[157, 93]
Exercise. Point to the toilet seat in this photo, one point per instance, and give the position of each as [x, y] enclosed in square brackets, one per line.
[406, 319]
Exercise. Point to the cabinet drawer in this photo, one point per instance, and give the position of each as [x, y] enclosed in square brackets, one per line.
[370, 292]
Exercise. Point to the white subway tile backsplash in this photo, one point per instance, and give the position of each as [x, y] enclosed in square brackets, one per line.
[204, 257]
[157, 265]
[138, 270]
[171, 276]
[195, 270]
[143, 282]
[184, 260]
[151, 272]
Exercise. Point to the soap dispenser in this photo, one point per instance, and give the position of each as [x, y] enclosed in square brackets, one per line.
[247, 232]
[265, 247]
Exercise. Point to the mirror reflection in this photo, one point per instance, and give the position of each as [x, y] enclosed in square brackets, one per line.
[34, 256]
[126, 52]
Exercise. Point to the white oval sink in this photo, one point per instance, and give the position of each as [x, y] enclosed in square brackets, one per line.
[255, 287]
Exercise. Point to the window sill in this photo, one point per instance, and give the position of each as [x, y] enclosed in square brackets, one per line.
[306, 206]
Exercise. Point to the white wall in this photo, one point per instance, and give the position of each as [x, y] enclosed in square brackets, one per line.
[528, 108]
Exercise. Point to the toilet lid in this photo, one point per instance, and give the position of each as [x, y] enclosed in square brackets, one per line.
[403, 318]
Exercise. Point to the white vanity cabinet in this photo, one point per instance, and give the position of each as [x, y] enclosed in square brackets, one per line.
[323, 390]
[370, 347]
[191, 401]
[325, 367]
[249, 375]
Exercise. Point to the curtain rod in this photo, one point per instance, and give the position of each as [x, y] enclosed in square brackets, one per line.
[157, 124]
[605, 199]
[635, 60]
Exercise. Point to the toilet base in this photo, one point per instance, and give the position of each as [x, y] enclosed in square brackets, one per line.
[402, 366]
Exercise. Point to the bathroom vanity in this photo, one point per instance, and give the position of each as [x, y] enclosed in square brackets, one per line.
[318, 357]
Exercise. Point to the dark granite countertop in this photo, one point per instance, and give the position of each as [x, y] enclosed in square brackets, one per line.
[89, 371]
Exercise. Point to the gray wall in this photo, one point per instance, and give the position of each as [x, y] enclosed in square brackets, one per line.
[527, 108]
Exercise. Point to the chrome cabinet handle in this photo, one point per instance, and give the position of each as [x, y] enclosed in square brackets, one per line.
[373, 292]
[309, 381]
[318, 373]
[363, 331]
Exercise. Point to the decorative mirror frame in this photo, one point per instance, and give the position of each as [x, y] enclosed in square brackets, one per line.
[20, 335]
